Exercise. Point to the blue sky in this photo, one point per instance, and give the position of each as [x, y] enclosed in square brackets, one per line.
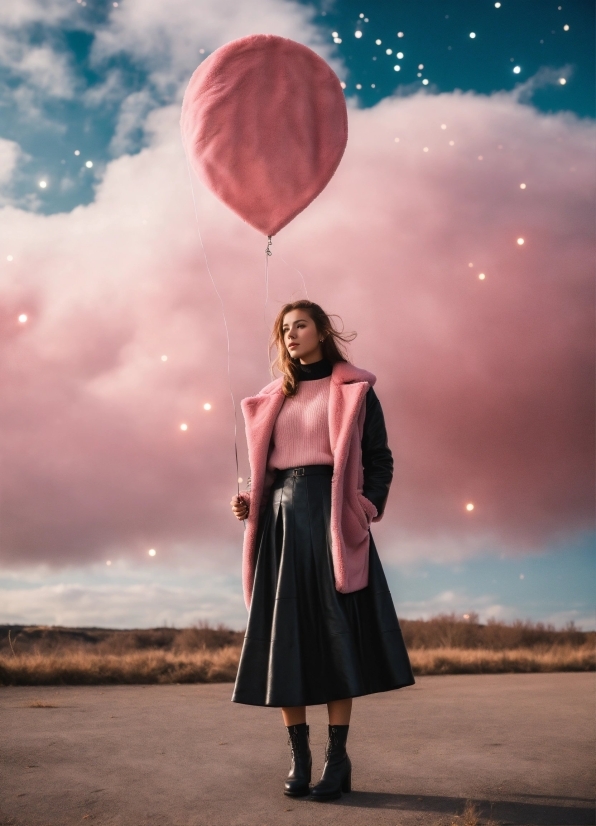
[76, 90]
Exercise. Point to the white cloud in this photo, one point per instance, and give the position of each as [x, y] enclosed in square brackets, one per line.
[489, 606]
[43, 68]
[139, 605]
[25, 12]
[131, 121]
[167, 38]
[10, 153]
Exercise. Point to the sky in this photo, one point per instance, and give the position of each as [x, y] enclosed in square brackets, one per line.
[456, 238]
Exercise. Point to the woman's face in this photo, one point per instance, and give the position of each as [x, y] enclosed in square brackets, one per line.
[301, 337]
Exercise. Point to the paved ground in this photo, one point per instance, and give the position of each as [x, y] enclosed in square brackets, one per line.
[520, 746]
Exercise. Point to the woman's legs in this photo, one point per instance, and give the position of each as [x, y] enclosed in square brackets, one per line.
[339, 712]
[293, 715]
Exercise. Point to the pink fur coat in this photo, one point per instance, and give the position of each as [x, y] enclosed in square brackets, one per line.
[351, 512]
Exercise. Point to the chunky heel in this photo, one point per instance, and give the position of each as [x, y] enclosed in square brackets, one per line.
[337, 771]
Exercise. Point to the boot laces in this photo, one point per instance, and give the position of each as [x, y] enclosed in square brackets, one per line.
[293, 741]
[333, 742]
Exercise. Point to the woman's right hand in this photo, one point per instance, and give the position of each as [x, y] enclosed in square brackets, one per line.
[239, 507]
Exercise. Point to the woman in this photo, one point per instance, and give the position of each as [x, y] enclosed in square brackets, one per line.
[322, 627]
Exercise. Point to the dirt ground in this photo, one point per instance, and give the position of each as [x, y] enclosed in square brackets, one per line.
[519, 746]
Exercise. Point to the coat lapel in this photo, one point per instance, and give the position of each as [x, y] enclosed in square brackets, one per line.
[260, 413]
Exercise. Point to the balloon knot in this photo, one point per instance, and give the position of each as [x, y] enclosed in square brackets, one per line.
[269, 242]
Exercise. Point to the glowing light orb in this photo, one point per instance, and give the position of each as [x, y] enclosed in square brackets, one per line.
[183, 426]
[337, 39]
[9, 258]
[520, 241]
[360, 15]
[77, 152]
[240, 480]
[396, 140]
[425, 82]
[89, 164]
[522, 186]
[359, 86]
[497, 5]
[421, 65]
[358, 33]
[472, 35]
[521, 576]
[334, 34]
[400, 34]
[43, 184]
[23, 318]
[372, 86]
[115, 5]
[378, 42]
[470, 265]
[562, 81]
[388, 51]
[466, 616]
[451, 143]
[425, 149]
[164, 358]
[151, 551]
[397, 68]
[443, 126]
[469, 506]
[400, 55]
[565, 28]
[516, 70]
[343, 85]
[480, 158]
[481, 276]
[108, 561]
[206, 406]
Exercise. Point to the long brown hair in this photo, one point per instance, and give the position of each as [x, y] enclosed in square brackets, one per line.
[332, 345]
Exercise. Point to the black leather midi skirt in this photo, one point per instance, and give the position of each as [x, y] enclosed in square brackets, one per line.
[305, 642]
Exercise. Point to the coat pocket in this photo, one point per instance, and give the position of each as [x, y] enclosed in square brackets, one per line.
[370, 510]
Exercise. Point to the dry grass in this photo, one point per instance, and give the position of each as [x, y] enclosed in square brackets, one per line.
[47, 655]
[41, 704]
[471, 817]
[451, 631]
[521, 660]
[82, 667]
[140, 667]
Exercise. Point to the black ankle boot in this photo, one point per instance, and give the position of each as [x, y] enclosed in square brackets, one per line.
[298, 780]
[337, 772]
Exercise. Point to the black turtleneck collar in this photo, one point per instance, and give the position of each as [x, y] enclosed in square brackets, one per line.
[317, 370]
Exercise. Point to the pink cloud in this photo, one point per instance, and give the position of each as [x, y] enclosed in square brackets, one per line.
[486, 384]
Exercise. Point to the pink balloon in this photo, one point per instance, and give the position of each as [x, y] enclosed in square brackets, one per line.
[264, 125]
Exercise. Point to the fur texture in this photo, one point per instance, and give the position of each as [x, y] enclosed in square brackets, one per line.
[351, 512]
[264, 125]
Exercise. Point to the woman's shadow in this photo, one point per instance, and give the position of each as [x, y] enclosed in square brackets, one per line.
[540, 812]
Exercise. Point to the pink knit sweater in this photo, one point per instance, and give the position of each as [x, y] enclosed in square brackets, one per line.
[301, 432]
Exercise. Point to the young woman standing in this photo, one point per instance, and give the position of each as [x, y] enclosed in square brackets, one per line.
[322, 626]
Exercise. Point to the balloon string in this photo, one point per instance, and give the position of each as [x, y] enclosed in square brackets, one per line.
[268, 254]
[298, 271]
[223, 312]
